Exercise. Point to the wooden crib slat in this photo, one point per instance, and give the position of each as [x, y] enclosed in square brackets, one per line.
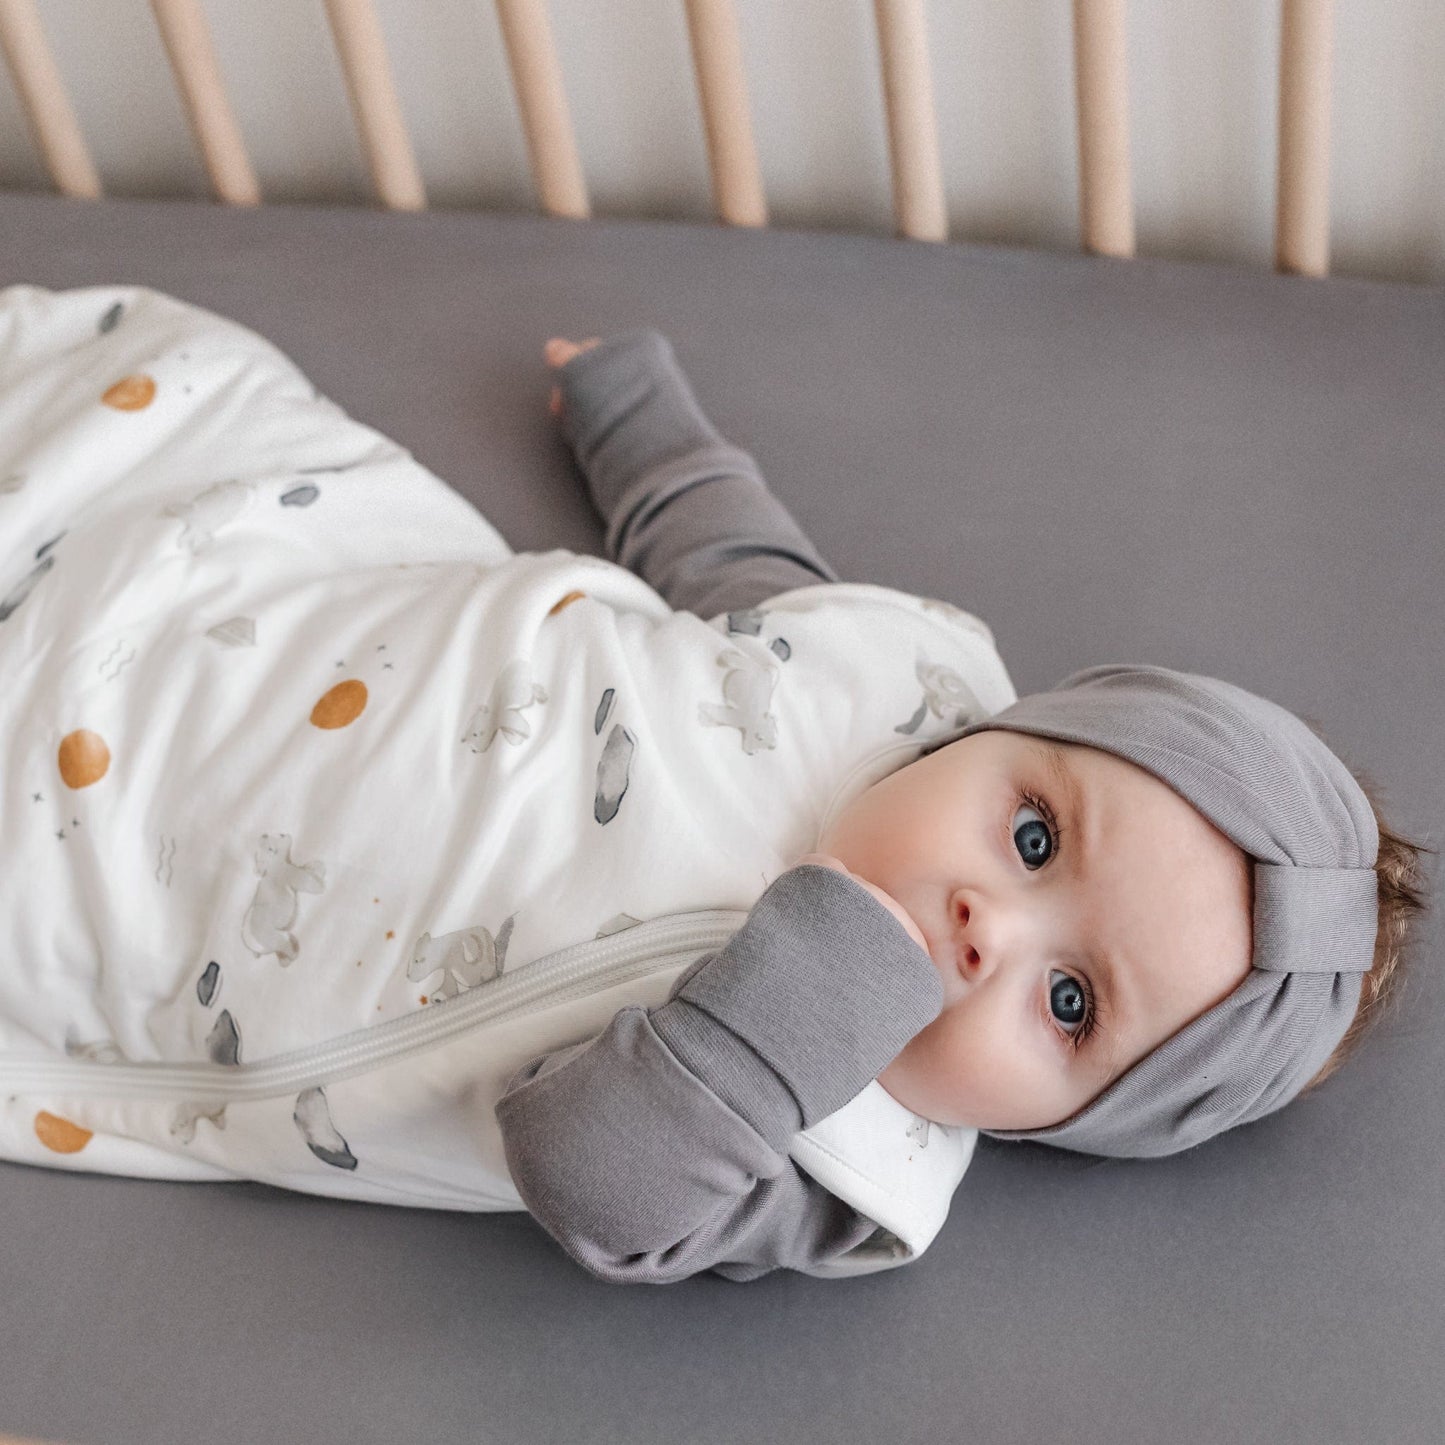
[1302, 216]
[198, 78]
[717, 57]
[361, 48]
[1101, 77]
[542, 101]
[912, 124]
[47, 107]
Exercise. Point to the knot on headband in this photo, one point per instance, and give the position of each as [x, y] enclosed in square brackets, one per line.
[1271, 785]
[1314, 919]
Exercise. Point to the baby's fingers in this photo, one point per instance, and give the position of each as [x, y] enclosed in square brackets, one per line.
[826, 860]
[559, 351]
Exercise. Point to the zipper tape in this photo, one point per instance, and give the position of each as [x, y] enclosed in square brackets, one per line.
[567, 974]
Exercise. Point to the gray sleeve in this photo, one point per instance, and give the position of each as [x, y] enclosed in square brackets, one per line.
[658, 1149]
[684, 509]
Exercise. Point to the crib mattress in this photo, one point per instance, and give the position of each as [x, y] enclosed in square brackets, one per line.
[1210, 468]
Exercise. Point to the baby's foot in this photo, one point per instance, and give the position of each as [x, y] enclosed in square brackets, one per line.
[559, 351]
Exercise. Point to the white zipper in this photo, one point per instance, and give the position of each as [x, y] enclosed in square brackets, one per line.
[567, 974]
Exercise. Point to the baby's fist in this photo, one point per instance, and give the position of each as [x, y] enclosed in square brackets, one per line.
[826, 860]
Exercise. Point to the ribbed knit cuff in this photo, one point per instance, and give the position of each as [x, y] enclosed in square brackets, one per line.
[808, 1002]
[733, 1071]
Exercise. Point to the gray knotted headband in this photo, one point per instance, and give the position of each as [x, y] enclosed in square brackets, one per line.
[1270, 784]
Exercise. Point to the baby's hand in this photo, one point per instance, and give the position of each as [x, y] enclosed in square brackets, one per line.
[826, 860]
[559, 351]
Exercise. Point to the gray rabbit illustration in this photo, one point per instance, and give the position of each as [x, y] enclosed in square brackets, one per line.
[748, 688]
[266, 928]
[465, 958]
[512, 691]
[946, 695]
[207, 512]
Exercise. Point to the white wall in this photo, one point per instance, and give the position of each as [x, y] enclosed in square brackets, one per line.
[1203, 80]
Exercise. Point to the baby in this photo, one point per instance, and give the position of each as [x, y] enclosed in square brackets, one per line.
[1119, 917]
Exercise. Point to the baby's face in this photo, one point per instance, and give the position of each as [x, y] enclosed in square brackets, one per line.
[1066, 957]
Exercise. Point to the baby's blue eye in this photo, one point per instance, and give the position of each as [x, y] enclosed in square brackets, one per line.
[1035, 841]
[1067, 1000]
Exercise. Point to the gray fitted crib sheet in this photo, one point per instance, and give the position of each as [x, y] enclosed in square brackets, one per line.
[1214, 469]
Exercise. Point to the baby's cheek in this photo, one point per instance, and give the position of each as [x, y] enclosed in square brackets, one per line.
[932, 1075]
[979, 1069]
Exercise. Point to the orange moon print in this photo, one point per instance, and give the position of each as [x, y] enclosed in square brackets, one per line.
[131, 393]
[60, 1134]
[83, 758]
[340, 705]
[567, 601]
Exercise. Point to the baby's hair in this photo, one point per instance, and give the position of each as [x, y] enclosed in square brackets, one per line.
[1400, 882]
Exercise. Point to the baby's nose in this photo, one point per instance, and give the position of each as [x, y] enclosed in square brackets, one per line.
[971, 963]
[975, 953]
[968, 959]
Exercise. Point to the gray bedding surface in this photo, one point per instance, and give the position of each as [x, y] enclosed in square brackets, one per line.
[1213, 469]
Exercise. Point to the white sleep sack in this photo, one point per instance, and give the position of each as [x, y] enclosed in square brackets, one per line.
[322, 811]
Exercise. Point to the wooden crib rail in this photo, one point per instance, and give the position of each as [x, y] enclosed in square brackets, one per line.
[1106, 205]
[47, 106]
[717, 59]
[542, 100]
[203, 93]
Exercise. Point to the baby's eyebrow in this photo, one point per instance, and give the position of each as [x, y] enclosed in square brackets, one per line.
[1057, 763]
[1058, 766]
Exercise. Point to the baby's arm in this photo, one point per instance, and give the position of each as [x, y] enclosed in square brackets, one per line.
[658, 1149]
[686, 510]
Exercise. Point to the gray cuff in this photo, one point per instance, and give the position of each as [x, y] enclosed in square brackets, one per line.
[808, 1002]
[736, 1073]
